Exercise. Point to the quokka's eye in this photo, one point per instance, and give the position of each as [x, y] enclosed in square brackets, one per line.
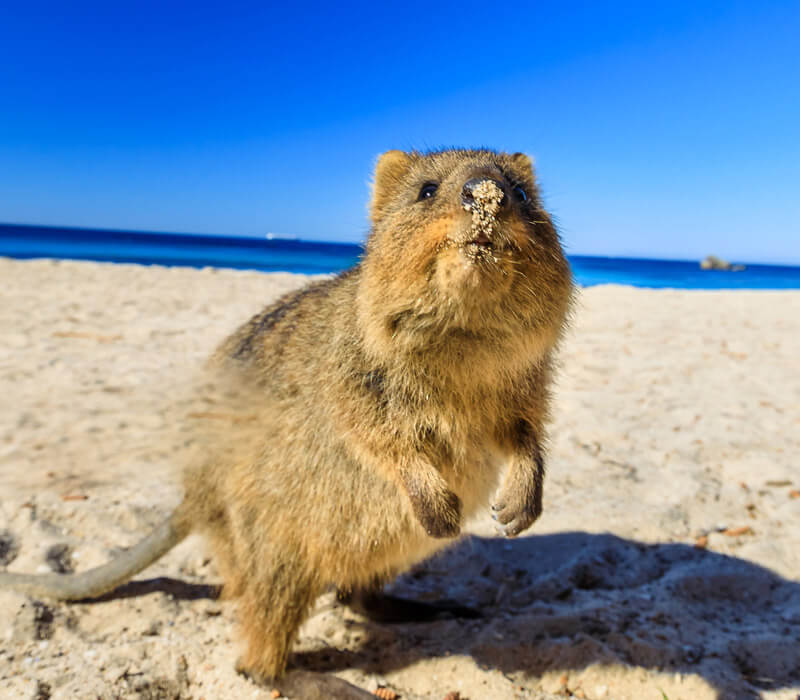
[428, 191]
[520, 193]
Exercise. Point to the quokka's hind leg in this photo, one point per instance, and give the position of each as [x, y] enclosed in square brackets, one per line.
[271, 609]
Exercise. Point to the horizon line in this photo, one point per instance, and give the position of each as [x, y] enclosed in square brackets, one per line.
[269, 236]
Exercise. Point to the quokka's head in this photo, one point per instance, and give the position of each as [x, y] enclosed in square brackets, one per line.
[460, 241]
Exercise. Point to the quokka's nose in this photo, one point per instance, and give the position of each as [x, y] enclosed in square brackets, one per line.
[468, 191]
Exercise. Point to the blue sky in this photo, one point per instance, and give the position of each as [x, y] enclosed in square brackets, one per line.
[660, 129]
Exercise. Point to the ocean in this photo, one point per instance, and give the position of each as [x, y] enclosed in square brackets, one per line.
[308, 257]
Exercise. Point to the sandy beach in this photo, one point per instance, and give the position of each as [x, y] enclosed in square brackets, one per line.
[666, 564]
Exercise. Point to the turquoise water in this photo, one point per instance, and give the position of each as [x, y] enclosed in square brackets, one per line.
[314, 257]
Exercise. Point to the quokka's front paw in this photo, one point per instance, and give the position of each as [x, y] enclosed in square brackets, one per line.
[516, 512]
[440, 515]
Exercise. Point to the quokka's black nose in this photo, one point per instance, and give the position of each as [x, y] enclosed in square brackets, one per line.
[468, 191]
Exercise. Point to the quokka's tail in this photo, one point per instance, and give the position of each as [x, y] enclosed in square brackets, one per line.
[102, 579]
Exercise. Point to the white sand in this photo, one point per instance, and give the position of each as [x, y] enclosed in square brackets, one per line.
[677, 416]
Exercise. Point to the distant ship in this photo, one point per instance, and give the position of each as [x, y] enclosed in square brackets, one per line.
[279, 237]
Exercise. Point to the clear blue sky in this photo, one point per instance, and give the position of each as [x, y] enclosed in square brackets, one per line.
[660, 129]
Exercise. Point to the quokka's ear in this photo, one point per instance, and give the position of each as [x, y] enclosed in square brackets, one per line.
[389, 171]
[522, 161]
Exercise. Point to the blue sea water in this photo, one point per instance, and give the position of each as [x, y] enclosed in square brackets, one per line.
[316, 257]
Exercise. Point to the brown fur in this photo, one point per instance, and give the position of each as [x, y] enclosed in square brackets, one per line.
[373, 412]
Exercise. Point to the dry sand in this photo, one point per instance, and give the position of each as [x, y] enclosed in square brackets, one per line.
[667, 558]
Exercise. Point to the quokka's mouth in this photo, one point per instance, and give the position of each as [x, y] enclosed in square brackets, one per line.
[481, 241]
[480, 252]
[481, 246]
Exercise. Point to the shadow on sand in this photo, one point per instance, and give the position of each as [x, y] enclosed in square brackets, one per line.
[566, 601]
[176, 588]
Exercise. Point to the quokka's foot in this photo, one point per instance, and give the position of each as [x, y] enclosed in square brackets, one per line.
[308, 685]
